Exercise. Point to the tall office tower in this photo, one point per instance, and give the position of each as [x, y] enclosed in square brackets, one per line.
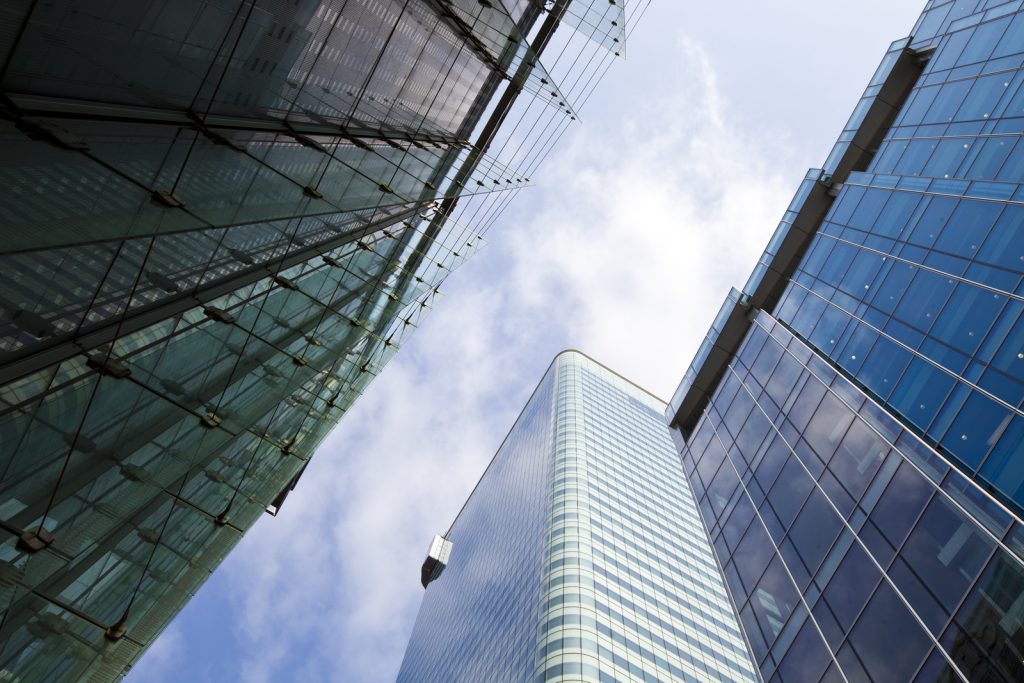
[580, 554]
[852, 424]
[220, 219]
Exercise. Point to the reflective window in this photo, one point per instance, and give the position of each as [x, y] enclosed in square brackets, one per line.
[884, 621]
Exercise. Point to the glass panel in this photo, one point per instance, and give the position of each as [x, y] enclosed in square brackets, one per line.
[885, 621]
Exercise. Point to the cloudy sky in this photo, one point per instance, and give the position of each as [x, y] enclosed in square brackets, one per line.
[637, 226]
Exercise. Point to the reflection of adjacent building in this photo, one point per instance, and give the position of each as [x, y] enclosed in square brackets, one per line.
[220, 222]
[851, 426]
[580, 554]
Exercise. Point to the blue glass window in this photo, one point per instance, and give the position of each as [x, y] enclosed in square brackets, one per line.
[858, 458]
[771, 463]
[916, 108]
[937, 670]
[983, 97]
[898, 209]
[752, 555]
[721, 488]
[886, 621]
[774, 599]
[710, 461]
[918, 595]
[915, 157]
[1012, 41]
[1004, 467]
[991, 157]
[967, 227]
[789, 491]
[862, 272]
[1012, 169]
[827, 426]
[738, 520]
[868, 209]
[888, 361]
[928, 227]
[888, 154]
[736, 415]
[946, 157]
[950, 50]
[860, 339]
[806, 658]
[808, 313]
[1005, 243]
[983, 41]
[838, 262]
[829, 329]
[889, 293]
[966, 317]
[753, 632]
[783, 380]
[1002, 386]
[921, 392]
[814, 530]
[849, 588]
[947, 102]
[946, 551]
[979, 424]
[901, 503]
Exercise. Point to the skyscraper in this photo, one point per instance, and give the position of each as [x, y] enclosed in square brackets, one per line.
[221, 219]
[580, 554]
[852, 425]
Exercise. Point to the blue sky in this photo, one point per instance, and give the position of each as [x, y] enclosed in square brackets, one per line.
[637, 226]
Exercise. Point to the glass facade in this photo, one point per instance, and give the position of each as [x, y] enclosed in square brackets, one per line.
[221, 219]
[852, 428]
[580, 555]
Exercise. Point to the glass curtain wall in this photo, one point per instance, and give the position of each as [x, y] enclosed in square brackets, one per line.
[222, 218]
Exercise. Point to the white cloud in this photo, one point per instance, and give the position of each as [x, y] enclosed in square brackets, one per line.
[626, 250]
[644, 244]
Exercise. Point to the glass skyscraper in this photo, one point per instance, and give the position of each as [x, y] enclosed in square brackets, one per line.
[221, 218]
[580, 555]
[852, 426]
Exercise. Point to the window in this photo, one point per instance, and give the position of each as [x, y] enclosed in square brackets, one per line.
[885, 621]
[946, 551]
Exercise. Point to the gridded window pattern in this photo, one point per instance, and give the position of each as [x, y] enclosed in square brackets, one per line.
[593, 567]
[852, 549]
[631, 591]
[913, 284]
